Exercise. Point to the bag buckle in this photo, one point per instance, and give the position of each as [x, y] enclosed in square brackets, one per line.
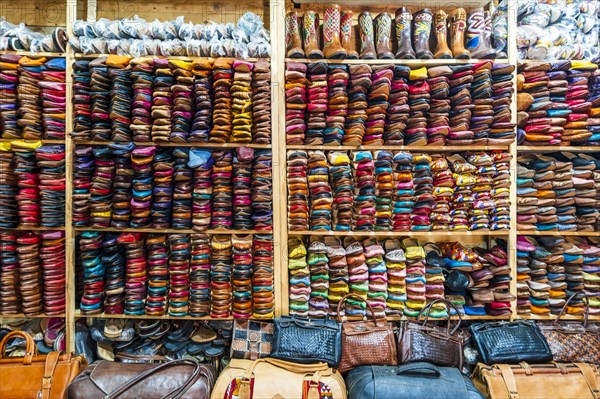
[47, 381]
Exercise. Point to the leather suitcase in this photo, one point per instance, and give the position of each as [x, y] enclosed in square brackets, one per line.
[538, 381]
[410, 381]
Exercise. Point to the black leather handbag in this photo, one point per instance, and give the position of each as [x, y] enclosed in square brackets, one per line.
[302, 340]
[511, 342]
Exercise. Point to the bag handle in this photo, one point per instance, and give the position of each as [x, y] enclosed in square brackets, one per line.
[341, 302]
[585, 317]
[174, 394]
[30, 347]
[448, 303]
[509, 380]
[423, 368]
[590, 378]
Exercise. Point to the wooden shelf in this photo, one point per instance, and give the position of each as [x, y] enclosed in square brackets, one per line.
[34, 228]
[554, 317]
[560, 233]
[453, 317]
[43, 141]
[428, 148]
[178, 145]
[424, 234]
[170, 231]
[23, 316]
[144, 317]
[35, 54]
[423, 3]
[183, 57]
[556, 148]
[416, 63]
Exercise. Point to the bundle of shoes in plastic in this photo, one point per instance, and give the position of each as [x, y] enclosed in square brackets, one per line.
[400, 191]
[558, 30]
[355, 105]
[138, 37]
[121, 99]
[396, 276]
[552, 269]
[176, 274]
[458, 34]
[558, 191]
[558, 103]
[21, 38]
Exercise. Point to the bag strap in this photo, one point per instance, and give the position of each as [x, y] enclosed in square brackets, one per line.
[174, 394]
[586, 314]
[509, 380]
[421, 368]
[427, 310]
[30, 347]
[590, 378]
[49, 367]
[341, 302]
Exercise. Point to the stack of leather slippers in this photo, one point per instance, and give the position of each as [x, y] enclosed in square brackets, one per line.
[83, 173]
[465, 177]
[101, 188]
[318, 265]
[337, 105]
[100, 99]
[90, 247]
[403, 191]
[201, 162]
[182, 191]
[438, 115]
[533, 277]
[434, 278]
[114, 259]
[142, 80]
[158, 274]
[262, 190]
[378, 288]
[384, 190]
[495, 260]
[261, 99]
[241, 93]
[585, 173]
[443, 191]
[222, 197]
[363, 169]
[51, 164]
[340, 176]
[461, 105]
[481, 95]
[9, 79]
[423, 197]
[29, 94]
[52, 253]
[296, 103]
[220, 276]
[162, 103]
[136, 273]
[398, 111]
[502, 129]
[500, 213]
[203, 106]
[338, 273]
[594, 111]
[121, 95]
[10, 296]
[415, 277]
[122, 192]
[242, 276]
[182, 100]
[162, 193]
[222, 80]
[141, 201]
[297, 171]
[9, 206]
[27, 174]
[179, 274]
[299, 282]
[263, 298]
[576, 130]
[358, 88]
[358, 272]
[321, 195]
[533, 102]
[316, 103]
[200, 275]
[419, 97]
[30, 273]
[483, 204]
[242, 188]
[395, 262]
[378, 104]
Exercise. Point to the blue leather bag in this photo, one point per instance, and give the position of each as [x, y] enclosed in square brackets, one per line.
[417, 380]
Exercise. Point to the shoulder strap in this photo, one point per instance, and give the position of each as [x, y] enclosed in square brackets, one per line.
[590, 378]
[49, 367]
[509, 380]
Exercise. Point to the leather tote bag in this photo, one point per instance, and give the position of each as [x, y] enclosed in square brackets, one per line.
[252, 339]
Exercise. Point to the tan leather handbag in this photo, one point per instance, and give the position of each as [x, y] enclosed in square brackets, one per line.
[366, 342]
[35, 376]
[274, 378]
[538, 381]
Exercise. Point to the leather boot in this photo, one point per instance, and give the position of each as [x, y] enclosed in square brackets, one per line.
[293, 39]
[346, 32]
[441, 34]
[310, 33]
[383, 33]
[458, 22]
[479, 38]
[367, 38]
[423, 20]
[332, 48]
[403, 28]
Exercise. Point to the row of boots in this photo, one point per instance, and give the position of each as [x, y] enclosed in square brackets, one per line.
[412, 34]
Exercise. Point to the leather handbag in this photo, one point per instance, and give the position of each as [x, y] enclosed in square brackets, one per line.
[366, 342]
[302, 340]
[35, 376]
[422, 342]
[409, 381]
[251, 339]
[572, 342]
[538, 381]
[177, 379]
[274, 378]
[511, 342]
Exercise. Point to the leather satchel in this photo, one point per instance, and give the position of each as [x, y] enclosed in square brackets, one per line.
[366, 342]
[251, 339]
[274, 378]
[572, 342]
[35, 376]
[410, 381]
[536, 381]
[422, 342]
[302, 340]
[511, 342]
[177, 379]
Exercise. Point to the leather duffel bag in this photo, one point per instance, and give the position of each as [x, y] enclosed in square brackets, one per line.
[177, 379]
[410, 381]
[275, 378]
[35, 376]
[538, 381]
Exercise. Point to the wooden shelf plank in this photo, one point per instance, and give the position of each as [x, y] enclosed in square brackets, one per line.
[428, 148]
[43, 141]
[144, 317]
[169, 231]
[35, 228]
[423, 3]
[560, 233]
[183, 57]
[553, 148]
[554, 317]
[178, 145]
[35, 54]
[23, 316]
[427, 234]
[416, 63]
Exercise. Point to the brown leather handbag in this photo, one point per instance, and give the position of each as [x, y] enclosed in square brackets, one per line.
[572, 342]
[366, 342]
[422, 342]
[36, 376]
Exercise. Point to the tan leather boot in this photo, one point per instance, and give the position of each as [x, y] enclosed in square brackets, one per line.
[441, 34]
[310, 34]
[367, 36]
[383, 39]
[332, 47]
[458, 22]
[293, 39]
[346, 32]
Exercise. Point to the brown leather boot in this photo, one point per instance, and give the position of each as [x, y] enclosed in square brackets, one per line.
[421, 33]
[403, 34]
[346, 32]
[479, 35]
[310, 33]
[367, 37]
[383, 33]
[293, 39]
[458, 22]
[332, 47]
[441, 34]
